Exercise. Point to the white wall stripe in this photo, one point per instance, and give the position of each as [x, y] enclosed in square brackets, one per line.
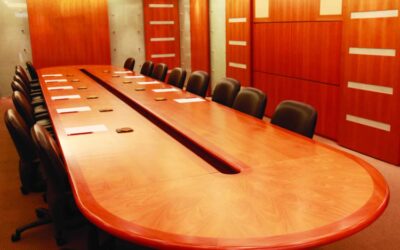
[155, 5]
[375, 14]
[162, 39]
[237, 20]
[372, 51]
[369, 123]
[238, 43]
[237, 65]
[162, 55]
[162, 22]
[370, 87]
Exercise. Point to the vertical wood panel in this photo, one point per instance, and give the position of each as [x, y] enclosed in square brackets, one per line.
[69, 32]
[162, 31]
[379, 33]
[239, 31]
[200, 35]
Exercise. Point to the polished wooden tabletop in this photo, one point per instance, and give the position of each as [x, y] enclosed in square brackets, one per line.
[201, 175]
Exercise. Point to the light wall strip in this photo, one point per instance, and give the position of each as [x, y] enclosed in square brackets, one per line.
[370, 87]
[375, 14]
[162, 22]
[237, 20]
[162, 55]
[237, 65]
[369, 123]
[162, 39]
[155, 5]
[238, 43]
[372, 52]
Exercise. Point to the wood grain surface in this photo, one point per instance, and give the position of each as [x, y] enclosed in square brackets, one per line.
[148, 188]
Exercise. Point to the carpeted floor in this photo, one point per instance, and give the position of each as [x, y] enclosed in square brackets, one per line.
[17, 209]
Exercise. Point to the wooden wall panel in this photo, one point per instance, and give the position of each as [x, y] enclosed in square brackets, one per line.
[158, 49]
[69, 32]
[299, 50]
[378, 132]
[324, 97]
[297, 55]
[200, 35]
[238, 40]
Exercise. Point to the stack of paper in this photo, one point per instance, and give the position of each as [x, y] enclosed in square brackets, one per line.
[55, 80]
[134, 77]
[73, 110]
[149, 82]
[51, 75]
[85, 129]
[60, 88]
[166, 90]
[189, 100]
[123, 72]
[65, 97]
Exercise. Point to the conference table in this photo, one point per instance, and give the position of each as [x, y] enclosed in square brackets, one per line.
[194, 174]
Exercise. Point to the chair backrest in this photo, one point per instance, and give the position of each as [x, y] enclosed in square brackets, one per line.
[147, 68]
[296, 116]
[20, 71]
[251, 101]
[17, 86]
[23, 107]
[177, 77]
[129, 63]
[32, 71]
[51, 159]
[198, 83]
[226, 91]
[20, 134]
[160, 72]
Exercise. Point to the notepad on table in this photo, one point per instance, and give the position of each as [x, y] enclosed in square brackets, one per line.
[55, 80]
[133, 77]
[60, 88]
[149, 82]
[123, 72]
[74, 110]
[65, 97]
[51, 75]
[85, 129]
[189, 100]
[166, 90]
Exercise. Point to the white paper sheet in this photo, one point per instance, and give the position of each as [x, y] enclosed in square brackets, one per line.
[149, 82]
[85, 129]
[74, 109]
[60, 88]
[123, 72]
[51, 75]
[55, 80]
[65, 97]
[166, 90]
[133, 77]
[189, 100]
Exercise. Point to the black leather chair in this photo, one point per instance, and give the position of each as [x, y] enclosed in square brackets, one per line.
[129, 63]
[31, 180]
[177, 77]
[251, 101]
[33, 84]
[25, 109]
[32, 71]
[61, 207]
[39, 105]
[147, 68]
[198, 83]
[296, 116]
[226, 91]
[160, 72]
